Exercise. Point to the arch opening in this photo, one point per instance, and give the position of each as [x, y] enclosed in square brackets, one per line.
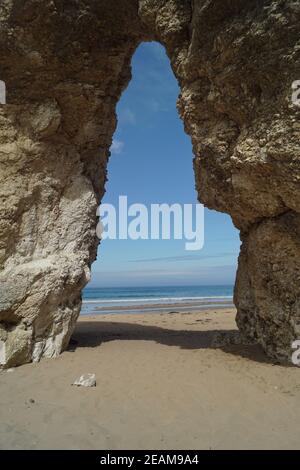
[151, 164]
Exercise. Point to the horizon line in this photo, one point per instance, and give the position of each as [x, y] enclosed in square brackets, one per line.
[159, 287]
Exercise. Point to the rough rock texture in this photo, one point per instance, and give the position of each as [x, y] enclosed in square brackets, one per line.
[65, 65]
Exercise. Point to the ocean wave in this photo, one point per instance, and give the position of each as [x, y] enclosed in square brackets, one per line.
[157, 299]
[153, 309]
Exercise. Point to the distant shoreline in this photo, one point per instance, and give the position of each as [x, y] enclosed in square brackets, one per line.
[172, 307]
[155, 299]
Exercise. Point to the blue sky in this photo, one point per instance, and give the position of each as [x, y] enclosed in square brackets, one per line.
[151, 162]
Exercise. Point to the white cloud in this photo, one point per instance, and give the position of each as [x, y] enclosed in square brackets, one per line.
[202, 275]
[127, 116]
[153, 105]
[117, 147]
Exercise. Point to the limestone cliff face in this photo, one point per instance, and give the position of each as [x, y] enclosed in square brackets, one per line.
[65, 65]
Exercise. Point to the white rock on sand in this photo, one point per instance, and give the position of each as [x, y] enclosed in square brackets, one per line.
[86, 380]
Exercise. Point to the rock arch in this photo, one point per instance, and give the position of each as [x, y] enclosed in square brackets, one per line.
[65, 65]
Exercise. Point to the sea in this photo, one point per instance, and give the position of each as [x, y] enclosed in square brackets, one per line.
[170, 299]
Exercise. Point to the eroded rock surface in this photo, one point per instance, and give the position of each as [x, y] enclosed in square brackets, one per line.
[65, 65]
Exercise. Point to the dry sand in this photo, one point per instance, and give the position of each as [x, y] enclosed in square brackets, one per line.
[164, 381]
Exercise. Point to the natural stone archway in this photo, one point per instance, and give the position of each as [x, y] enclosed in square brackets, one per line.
[65, 65]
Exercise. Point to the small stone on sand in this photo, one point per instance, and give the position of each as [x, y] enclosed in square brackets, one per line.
[86, 380]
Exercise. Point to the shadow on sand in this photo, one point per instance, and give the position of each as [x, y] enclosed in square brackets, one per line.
[90, 334]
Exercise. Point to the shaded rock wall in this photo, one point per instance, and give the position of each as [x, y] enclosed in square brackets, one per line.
[65, 65]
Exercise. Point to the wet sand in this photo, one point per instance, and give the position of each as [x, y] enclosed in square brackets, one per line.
[168, 307]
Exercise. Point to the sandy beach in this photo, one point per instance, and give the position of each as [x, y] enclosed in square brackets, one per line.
[164, 381]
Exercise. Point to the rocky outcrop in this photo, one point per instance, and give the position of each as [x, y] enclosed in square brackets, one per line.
[65, 65]
[268, 284]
